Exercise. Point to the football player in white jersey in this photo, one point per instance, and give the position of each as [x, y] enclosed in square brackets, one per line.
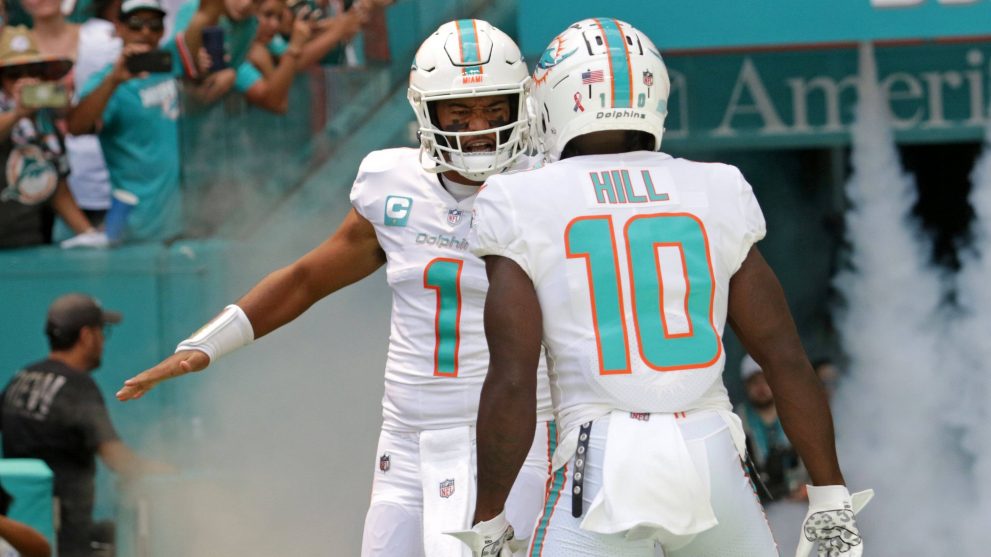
[626, 263]
[412, 212]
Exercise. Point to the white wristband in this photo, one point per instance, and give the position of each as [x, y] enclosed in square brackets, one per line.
[225, 333]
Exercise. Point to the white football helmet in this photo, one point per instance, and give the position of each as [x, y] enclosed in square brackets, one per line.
[469, 58]
[598, 74]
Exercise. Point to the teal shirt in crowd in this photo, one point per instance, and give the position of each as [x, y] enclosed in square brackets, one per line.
[140, 141]
[278, 45]
[238, 36]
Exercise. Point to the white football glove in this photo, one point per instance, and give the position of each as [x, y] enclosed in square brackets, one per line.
[89, 239]
[491, 538]
[830, 522]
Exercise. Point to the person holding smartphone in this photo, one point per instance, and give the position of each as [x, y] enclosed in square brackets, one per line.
[133, 106]
[32, 148]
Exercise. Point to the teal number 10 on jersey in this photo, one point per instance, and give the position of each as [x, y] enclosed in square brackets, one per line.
[443, 276]
[674, 326]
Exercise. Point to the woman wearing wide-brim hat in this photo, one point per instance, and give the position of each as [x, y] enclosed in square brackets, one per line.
[19, 54]
[32, 149]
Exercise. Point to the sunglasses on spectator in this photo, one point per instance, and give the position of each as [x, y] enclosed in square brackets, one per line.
[16, 74]
[139, 23]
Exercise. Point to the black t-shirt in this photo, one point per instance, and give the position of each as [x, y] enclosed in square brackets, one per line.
[33, 163]
[52, 412]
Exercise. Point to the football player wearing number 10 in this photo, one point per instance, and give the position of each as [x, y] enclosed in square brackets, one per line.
[411, 212]
[634, 261]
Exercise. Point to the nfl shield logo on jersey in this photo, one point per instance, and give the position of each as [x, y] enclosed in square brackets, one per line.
[385, 462]
[446, 488]
[648, 78]
[454, 216]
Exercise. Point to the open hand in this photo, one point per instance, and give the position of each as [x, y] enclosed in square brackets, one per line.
[180, 363]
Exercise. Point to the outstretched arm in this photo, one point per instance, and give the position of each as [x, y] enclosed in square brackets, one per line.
[352, 253]
[759, 314]
[125, 462]
[507, 412]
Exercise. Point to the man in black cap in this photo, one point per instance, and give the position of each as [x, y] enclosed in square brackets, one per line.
[53, 410]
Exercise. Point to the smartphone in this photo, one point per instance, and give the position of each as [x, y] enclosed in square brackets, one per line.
[213, 43]
[47, 94]
[153, 61]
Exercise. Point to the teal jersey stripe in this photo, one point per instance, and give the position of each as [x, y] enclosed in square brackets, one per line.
[553, 495]
[469, 45]
[619, 63]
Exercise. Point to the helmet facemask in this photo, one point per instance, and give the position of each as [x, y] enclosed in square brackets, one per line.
[456, 148]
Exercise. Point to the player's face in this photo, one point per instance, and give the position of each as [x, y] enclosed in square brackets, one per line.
[472, 114]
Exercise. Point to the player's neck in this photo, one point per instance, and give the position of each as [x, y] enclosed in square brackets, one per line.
[459, 179]
[458, 191]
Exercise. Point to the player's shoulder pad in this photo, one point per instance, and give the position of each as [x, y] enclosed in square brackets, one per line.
[385, 160]
[715, 172]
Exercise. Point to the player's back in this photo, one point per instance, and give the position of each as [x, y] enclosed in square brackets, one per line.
[631, 256]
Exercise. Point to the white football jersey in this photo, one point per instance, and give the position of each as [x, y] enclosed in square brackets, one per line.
[438, 356]
[631, 256]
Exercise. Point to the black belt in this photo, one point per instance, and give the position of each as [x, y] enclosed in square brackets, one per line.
[578, 474]
[754, 473]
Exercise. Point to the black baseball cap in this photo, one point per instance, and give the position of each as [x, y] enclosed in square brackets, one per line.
[70, 313]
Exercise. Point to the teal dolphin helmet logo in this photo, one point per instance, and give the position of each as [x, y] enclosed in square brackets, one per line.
[551, 57]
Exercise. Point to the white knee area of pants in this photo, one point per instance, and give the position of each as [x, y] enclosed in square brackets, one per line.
[391, 530]
[526, 499]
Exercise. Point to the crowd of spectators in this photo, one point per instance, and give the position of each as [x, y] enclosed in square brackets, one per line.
[90, 105]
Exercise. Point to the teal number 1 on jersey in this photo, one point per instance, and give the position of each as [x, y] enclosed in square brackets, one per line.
[696, 344]
[443, 276]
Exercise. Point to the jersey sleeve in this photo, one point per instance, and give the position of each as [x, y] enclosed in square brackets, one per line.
[754, 228]
[495, 226]
[370, 196]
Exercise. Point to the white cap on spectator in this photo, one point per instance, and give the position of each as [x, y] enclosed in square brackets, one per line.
[748, 367]
[130, 6]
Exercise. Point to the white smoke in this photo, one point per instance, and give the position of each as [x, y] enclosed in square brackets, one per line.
[279, 451]
[893, 432]
[972, 353]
